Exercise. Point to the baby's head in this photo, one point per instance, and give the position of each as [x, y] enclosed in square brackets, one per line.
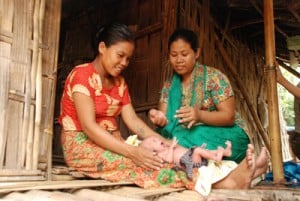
[153, 143]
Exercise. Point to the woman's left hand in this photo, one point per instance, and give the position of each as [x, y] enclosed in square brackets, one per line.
[145, 158]
[189, 115]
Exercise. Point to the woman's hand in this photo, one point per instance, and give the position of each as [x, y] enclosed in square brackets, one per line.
[279, 75]
[188, 115]
[157, 117]
[145, 158]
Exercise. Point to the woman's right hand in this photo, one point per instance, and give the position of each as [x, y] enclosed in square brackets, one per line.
[157, 117]
[145, 158]
[279, 75]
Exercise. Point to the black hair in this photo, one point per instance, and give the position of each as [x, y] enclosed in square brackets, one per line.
[111, 34]
[187, 35]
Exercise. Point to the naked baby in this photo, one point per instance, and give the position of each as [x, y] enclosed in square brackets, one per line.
[184, 158]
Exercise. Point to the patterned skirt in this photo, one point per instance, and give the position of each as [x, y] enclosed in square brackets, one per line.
[93, 161]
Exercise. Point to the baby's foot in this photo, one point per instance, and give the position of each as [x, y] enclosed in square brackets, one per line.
[228, 151]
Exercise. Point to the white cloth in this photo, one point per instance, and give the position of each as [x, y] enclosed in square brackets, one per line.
[210, 174]
[133, 140]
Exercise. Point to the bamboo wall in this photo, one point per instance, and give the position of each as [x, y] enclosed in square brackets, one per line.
[29, 35]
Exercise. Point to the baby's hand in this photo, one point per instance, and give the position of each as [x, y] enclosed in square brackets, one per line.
[174, 142]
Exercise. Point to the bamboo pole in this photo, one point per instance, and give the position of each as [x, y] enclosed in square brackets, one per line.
[39, 94]
[27, 102]
[29, 144]
[274, 129]
[35, 49]
[244, 93]
[54, 185]
[228, 18]
[18, 172]
[52, 22]
[38, 114]
[293, 11]
[5, 37]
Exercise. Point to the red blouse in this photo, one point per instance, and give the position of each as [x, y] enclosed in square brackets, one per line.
[108, 102]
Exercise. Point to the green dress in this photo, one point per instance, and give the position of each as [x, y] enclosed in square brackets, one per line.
[209, 87]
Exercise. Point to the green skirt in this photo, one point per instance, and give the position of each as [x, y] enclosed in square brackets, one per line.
[213, 137]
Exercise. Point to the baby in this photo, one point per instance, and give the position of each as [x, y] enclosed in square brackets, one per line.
[184, 158]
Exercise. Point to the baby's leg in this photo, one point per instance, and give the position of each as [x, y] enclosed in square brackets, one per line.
[221, 152]
[216, 155]
[200, 153]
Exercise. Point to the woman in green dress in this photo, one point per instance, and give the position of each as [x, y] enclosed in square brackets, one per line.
[197, 106]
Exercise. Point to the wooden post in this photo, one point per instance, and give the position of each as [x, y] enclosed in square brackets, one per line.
[274, 124]
[51, 35]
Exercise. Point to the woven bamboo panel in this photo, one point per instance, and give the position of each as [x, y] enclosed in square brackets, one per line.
[28, 52]
[17, 43]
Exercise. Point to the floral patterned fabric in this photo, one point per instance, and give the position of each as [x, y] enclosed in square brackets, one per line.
[212, 89]
[95, 162]
[84, 155]
[108, 102]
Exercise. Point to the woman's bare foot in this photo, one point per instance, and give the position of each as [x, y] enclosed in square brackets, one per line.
[261, 163]
[263, 157]
[242, 176]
